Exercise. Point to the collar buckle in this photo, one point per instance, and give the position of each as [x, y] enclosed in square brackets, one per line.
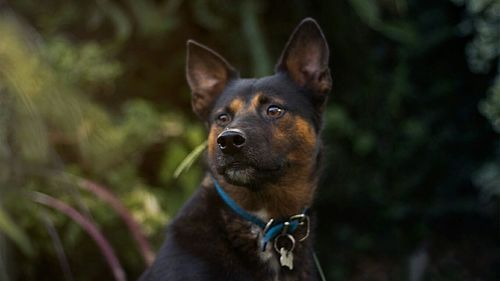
[268, 225]
[303, 221]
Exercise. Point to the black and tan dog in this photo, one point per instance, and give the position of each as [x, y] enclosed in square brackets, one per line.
[248, 220]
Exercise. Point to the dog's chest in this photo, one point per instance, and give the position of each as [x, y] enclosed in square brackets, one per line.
[247, 238]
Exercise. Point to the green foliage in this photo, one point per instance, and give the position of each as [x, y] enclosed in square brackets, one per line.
[13, 232]
[490, 106]
[405, 142]
[87, 64]
[483, 53]
[481, 21]
[51, 122]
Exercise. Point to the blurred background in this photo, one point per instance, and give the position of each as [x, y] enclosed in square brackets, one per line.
[95, 119]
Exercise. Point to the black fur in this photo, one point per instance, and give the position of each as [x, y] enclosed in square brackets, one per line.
[207, 240]
[199, 247]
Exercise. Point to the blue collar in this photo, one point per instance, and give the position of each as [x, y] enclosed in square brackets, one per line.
[272, 229]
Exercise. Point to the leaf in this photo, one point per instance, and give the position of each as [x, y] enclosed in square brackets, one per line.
[119, 18]
[367, 10]
[12, 231]
[190, 159]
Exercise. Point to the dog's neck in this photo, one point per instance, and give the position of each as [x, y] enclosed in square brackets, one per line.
[283, 198]
[280, 199]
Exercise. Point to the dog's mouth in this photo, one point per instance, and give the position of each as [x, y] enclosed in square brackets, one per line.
[239, 174]
[249, 175]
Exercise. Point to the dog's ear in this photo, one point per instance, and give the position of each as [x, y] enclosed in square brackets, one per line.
[207, 75]
[306, 56]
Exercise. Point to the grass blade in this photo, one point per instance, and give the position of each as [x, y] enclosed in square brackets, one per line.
[14, 233]
[190, 159]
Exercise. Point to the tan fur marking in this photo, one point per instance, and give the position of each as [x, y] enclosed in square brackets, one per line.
[305, 130]
[236, 105]
[294, 137]
[294, 191]
[255, 102]
[212, 142]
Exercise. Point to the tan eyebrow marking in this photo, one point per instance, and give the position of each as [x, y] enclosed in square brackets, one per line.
[236, 105]
[256, 100]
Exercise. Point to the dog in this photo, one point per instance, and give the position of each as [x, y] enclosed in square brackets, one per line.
[249, 220]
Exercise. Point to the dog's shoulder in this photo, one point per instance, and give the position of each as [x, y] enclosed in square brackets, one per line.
[196, 247]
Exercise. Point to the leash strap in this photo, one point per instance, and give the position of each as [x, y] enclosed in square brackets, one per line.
[318, 267]
[270, 231]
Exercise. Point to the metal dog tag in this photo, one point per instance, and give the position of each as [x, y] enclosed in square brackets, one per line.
[286, 258]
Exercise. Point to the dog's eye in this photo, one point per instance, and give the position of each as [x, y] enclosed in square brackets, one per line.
[223, 119]
[275, 111]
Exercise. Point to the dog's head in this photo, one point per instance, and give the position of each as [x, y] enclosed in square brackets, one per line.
[262, 130]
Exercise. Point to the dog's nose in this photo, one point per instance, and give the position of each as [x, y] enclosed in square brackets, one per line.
[231, 141]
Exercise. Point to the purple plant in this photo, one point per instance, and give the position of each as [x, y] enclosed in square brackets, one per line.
[115, 203]
[89, 227]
